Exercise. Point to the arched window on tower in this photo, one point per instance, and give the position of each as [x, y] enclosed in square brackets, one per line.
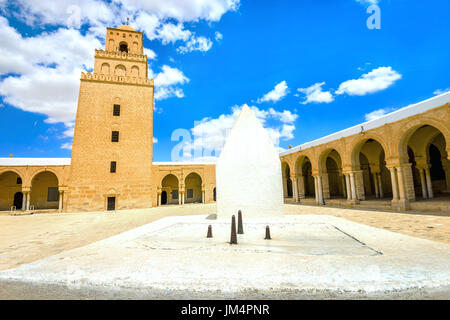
[123, 47]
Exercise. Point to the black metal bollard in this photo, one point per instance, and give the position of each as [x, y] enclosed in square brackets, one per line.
[209, 235]
[267, 233]
[240, 227]
[233, 238]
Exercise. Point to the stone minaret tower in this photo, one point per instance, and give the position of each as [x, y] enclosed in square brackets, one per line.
[113, 140]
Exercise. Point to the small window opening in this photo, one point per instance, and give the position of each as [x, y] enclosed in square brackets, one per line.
[115, 136]
[116, 111]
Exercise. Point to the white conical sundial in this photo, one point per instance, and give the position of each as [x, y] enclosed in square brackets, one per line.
[248, 172]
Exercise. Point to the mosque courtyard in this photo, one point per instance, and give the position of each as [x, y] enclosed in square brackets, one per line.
[163, 253]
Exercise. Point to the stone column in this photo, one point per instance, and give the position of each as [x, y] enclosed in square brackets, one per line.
[353, 186]
[380, 185]
[203, 195]
[394, 184]
[294, 189]
[325, 185]
[301, 187]
[320, 189]
[375, 183]
[24, 200]
[408, 181]
[429, 185]
[401, 183]
[347, 184]
[359, 185]
[316, 189]
[423, 184]
[28, 200]
[159, 199]
[60, 204]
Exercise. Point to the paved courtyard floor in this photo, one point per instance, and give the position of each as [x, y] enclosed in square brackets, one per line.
[171, 258]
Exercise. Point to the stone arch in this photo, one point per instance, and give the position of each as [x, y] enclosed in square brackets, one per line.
[9, 187]
[328, 152]
[55, 172]
[20, 174]
[410, 127]
[44, 190]
[170, 185]
[428, 159]
[111, 192]
[359, 144]
[135, 47]
[193, 188]
[188, 172]
[105, 69]
[135, 71]
[330, 168]
[308, 185]
[120, 70]
[372, 178]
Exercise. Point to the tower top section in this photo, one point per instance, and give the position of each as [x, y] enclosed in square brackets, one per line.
[124, 39]
[122, 61]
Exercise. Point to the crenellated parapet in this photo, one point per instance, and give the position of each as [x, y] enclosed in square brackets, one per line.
[120, 55]
[116, 79]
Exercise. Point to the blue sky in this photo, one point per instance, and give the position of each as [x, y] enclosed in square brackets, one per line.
[307, 68]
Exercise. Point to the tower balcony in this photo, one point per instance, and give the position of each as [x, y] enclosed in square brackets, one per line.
[116, 79]
[120, 55]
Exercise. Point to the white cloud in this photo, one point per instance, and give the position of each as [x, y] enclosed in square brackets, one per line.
[183, 10]
[378, 113]
[65, 12]
[195, 44]
[155, 18]
[315, 94]
[376, 80]
[167, 82]
[368, 1]
[441, 91]
[170, 76]
[42, 73]
[147, 23]
[155, 140]
[65, 48]
[150, 53]
[70, 131]
[209, 134]
[218, 36]
[169, 33]
[285, 116]
[96, 12]
[67, 146]
[278, 93]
